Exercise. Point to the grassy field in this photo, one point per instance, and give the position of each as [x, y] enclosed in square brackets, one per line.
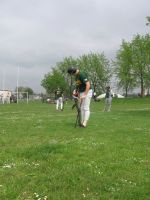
[42, 155]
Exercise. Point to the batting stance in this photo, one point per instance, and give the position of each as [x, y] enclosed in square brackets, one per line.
[85, 93]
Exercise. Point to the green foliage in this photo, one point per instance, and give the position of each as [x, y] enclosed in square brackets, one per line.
[53, 80]
[141, 59]
[63, 67]
[124, 67]
[25, 90]
[29, 90]
[95, 65]
[133, 63]
[148, 19]
[65, 64]
[131, 67]
[98, 68]
[43, 156]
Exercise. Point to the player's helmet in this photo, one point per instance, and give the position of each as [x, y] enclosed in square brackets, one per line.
[71, 70]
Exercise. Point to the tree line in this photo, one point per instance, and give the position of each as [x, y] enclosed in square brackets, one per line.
[132, 64]
[131, 67]
[96, 65]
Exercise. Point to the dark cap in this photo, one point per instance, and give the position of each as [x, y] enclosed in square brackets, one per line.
[71, 70]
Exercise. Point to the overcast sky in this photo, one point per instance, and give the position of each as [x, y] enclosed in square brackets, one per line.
[36, 34]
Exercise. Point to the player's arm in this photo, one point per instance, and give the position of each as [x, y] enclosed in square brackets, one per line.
[87, 87]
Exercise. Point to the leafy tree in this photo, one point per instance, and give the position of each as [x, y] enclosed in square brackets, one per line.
[124, 66]
[148, 19]
[141, 60]
[147, 57]
[97, 67]
[24, 91]
[52, 80]
[28, 90]
[62, 67]
[133, 63]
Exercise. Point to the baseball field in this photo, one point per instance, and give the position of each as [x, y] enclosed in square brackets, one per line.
[43, 156]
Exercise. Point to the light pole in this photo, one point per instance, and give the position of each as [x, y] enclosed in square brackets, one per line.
[17, 84]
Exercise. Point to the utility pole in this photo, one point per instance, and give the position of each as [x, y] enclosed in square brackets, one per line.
[17, 84]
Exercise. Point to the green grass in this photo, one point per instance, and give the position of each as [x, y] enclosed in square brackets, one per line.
[42, 155]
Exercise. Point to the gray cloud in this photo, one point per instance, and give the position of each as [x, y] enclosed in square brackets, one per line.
[35, 34]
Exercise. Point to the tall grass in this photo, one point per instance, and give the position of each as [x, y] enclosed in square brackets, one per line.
[42, 155]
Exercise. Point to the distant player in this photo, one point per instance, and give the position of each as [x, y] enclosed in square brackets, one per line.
[59, 99]
[108, 99]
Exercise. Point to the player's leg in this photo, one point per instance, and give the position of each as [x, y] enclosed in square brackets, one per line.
[85, 107]
[61, 103]
[57, 104]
